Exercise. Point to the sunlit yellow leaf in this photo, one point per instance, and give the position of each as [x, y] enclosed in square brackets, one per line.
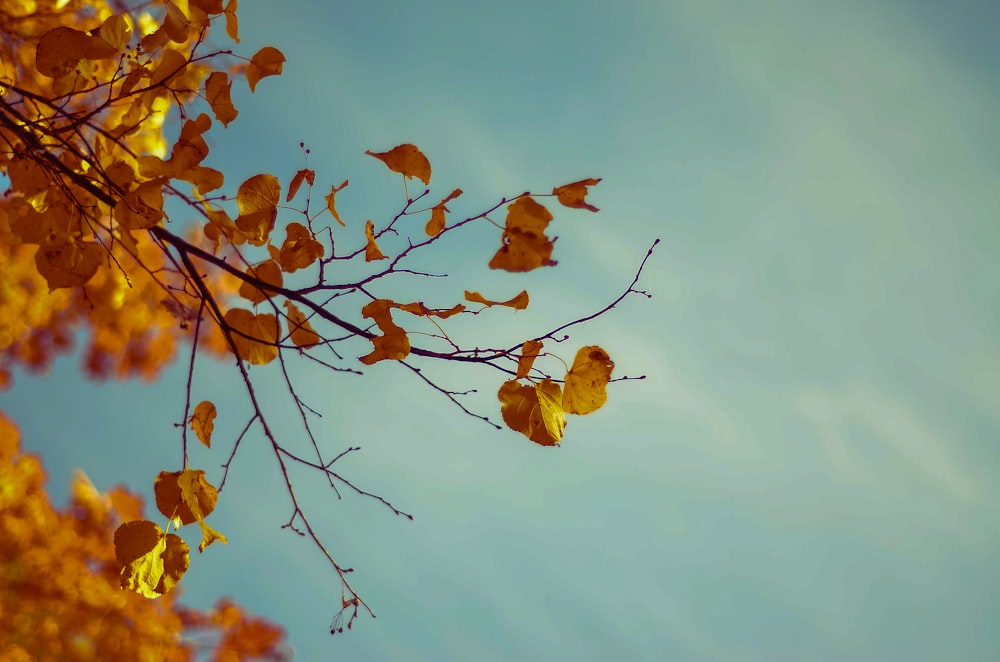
[519, 302]
[572, 195]
[116, 31]
[534, 411]
[203, 422]
[209, 535]
[267, 61]
[393, 344]
[257, 199]
[529, 352]
[407, 160]
[586, 381]
[152, 563]
[255, 336]
[372, 251]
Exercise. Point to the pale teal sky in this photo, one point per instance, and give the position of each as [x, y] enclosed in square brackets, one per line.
[810, 470]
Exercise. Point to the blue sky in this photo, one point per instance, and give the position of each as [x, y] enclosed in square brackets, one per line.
[810, 469]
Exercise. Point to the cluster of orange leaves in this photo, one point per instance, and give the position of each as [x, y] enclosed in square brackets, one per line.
[59, 598]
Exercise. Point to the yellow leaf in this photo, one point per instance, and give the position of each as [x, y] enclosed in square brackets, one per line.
[152, 563]
[534, 411]
[372, 251]
[203, 422]
[407, 160]
[185, 495]
[142, 208]
[437, 220]
[393, 344]
[586, 381]
[71, 264]
[331, 200]
[208, 536]
[302, 333]
[217, 92]
[306, 175]
[116, 31]
[519, 302]
[265, 62]
[572, 195]
[525, 246]
[255, 336]
[257, 199]
[529, 352]
[267, 271]
[299, 249]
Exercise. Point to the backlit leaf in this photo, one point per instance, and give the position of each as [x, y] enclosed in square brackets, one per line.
[534, 411]
[586, 381]
[572, 195]
[304, 175]
[152, 563]
[255, 336]
[257, 199]
[232, 22]
[203, 422]
[418, 308]
[209, 535]
[301, 331]
[372, 251]
[217, 92]
[265, 62]
[407, 160]
[185, 495]
[519, 302]
[71, 264]
[393, 344]
[268, 271]
[529, 352]
[299, 249]
[525, 246]
[437, 220]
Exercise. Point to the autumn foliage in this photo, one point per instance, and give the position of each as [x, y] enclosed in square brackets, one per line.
[109, 228]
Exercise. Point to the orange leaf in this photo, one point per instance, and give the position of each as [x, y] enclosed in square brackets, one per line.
[60, 50]
[407, 160]
[267, 271]
[255, 336]
[217, 92]
[372, 251]
[306, 175]
[437, 221]
[534, 411]
[301, 331]
[525, 246]
[572, 195]
[258, 199]
[393, 344]
[71, 264]
[418, 308]
[203, 422]
[142, 208]
[232, 23]
[529, 352]
[331, 198]
[265, 62]
[185, 495]
[586, 381]
[172, 63]
[519, 302]
[299, 249]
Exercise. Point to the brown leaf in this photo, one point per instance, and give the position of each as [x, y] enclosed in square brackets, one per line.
[519, 302]
[437, 220]
[525, 246]
[152, 563]
[185, 495]
[71, 264]
[304, 175]
[258, 199]
[393, 344]
[301, 332]
[372, 251]
[407, 160]
[529, 352]
[572, 195]
[217, 92]
[267, 61]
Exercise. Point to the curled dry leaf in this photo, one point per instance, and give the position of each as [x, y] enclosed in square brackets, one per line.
[393, 343]
[300, 248]
[152, 562]
[437, 220]
[418, 308]
[267, 61]
[519, 302]
[372, 251]
[407, 160]
[203, 421]
[304, 175]
[572, 195]
[331, 200]
[529, 352]
[586, 381]
[525, 246]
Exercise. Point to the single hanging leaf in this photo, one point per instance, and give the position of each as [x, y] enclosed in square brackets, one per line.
[203, 422]
[265, 62]
[185, 495]
[268, 271]
[331, 199]
[407, 160]
[217, 92]
[525, 246]
[299, 328]
[255, 336]
[152, 563]
[586, 381]
[258, 199]
[529, 352]
[437, 221]
[418, 308]
[372, 251]
[534, 411]
[519, 302]
[393, 344]
[208, 536]
[304, 175]
[116, 31]
[572, 195]
[299, 249]
[232, 23]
